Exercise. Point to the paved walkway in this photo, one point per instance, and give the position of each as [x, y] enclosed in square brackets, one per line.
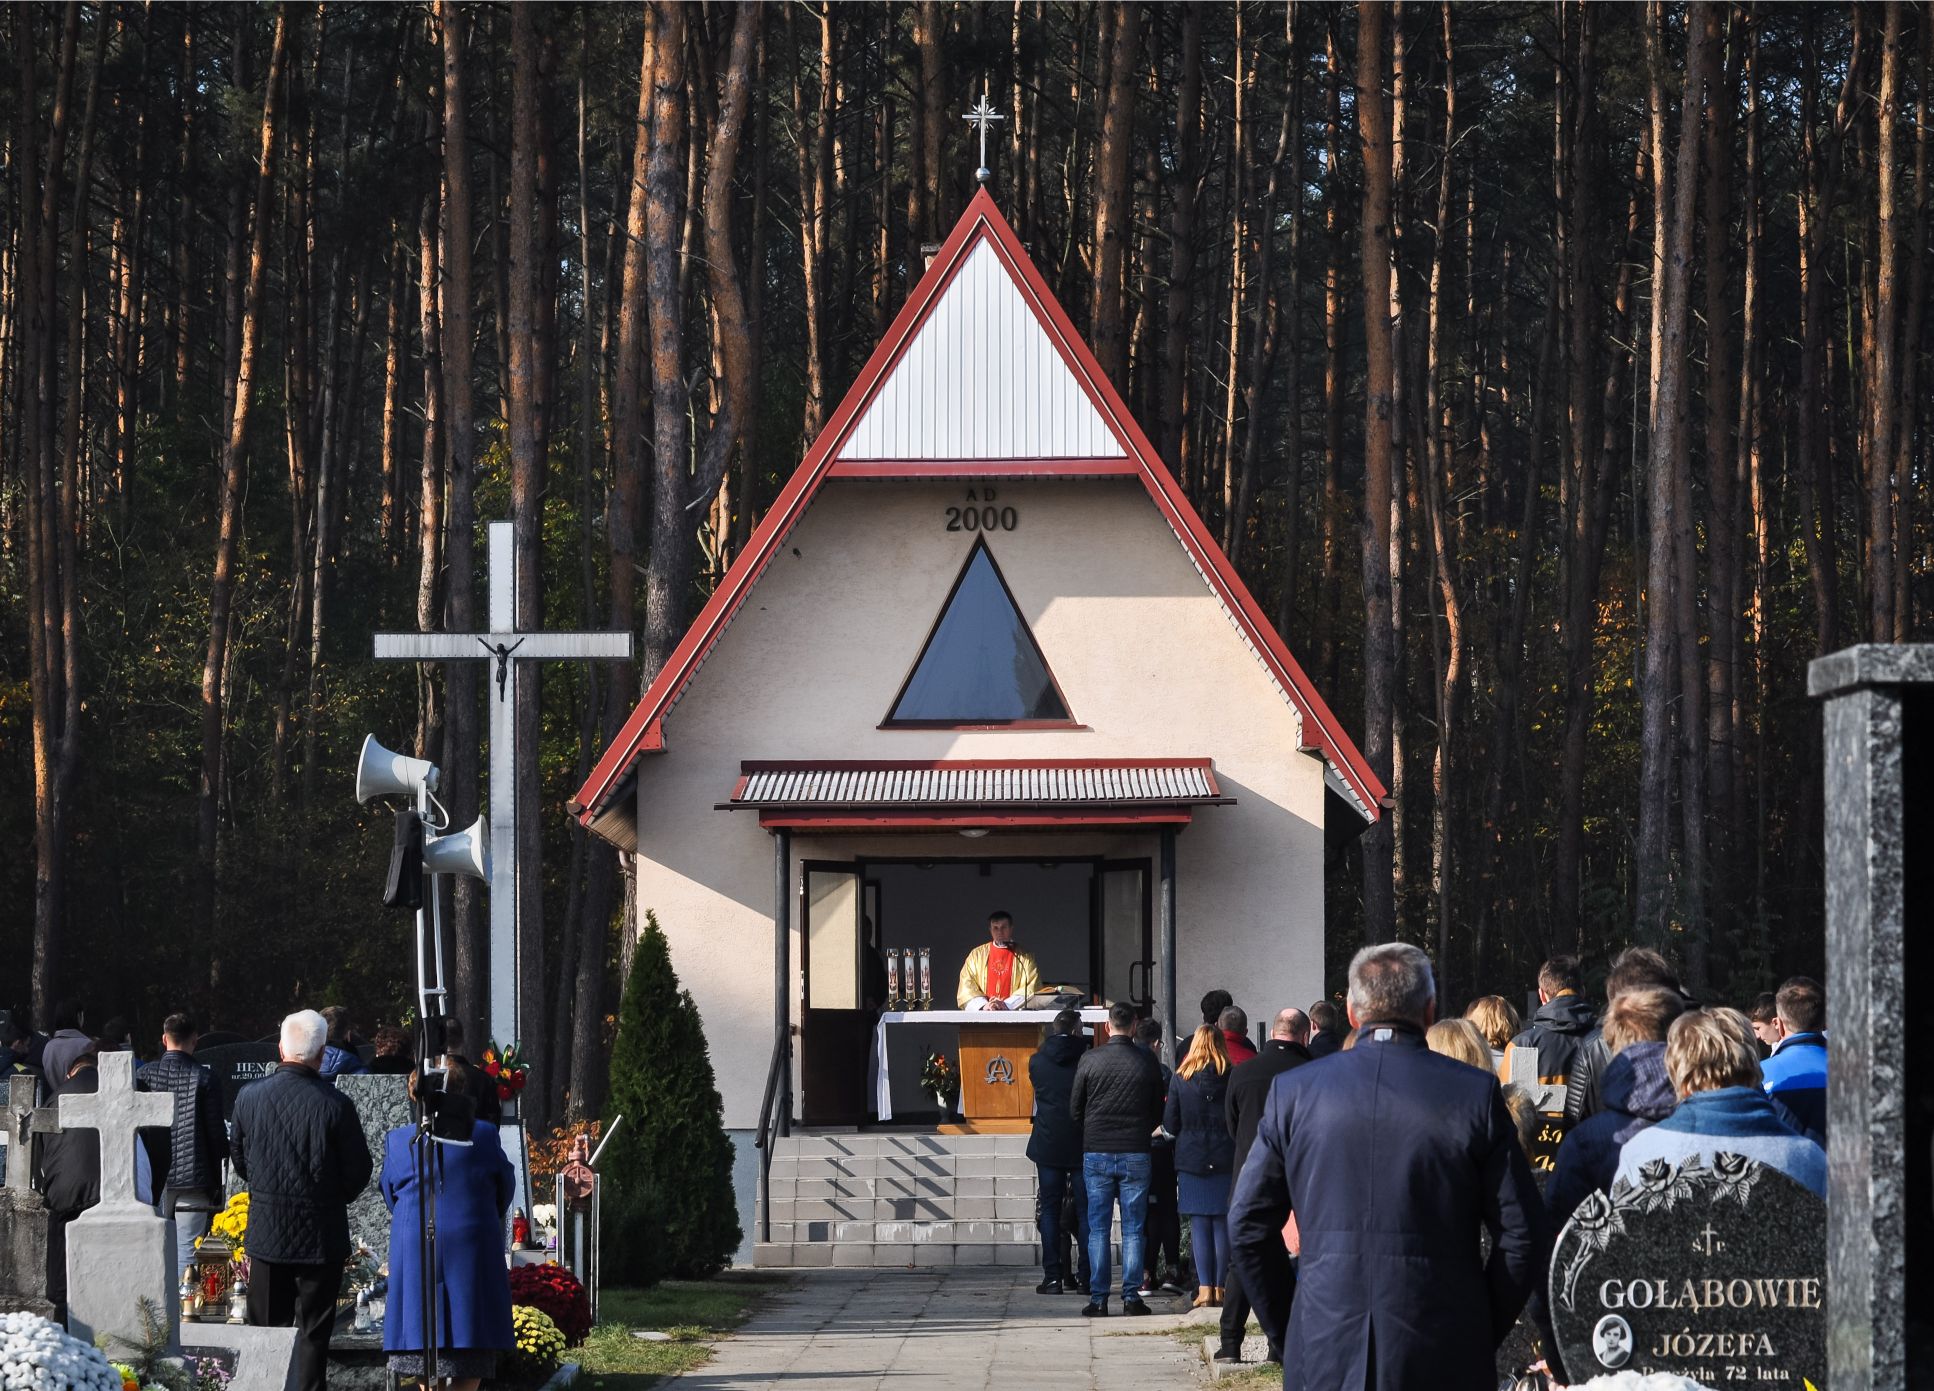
[948, 1330]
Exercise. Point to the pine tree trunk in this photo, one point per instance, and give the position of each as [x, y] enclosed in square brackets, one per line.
[673, 554]
[1882, 355]
[455, 329]
[1112, 196]
[230, 471]
[1379, 654]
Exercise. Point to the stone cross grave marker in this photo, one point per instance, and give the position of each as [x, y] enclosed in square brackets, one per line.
[1715, 1272]
[24, 1121]
[117, 1110]
[118, 1251]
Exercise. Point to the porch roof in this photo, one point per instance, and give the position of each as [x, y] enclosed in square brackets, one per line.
[953, 794]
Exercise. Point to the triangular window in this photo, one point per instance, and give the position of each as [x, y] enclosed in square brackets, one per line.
[981, 665]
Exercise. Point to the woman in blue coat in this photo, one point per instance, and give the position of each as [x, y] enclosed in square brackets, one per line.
[1196, 1119]
[474, 1187]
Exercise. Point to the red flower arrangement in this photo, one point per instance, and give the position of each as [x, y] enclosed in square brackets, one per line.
[554, 1290]
[507, 1067]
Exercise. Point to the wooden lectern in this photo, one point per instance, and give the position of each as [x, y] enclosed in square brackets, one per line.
[994, 1083]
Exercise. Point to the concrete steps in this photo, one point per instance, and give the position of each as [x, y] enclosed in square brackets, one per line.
[901, 1199]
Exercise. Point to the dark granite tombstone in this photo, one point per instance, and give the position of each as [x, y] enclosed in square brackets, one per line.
[1713, 1273]
[1879, 717]
[235, 1065]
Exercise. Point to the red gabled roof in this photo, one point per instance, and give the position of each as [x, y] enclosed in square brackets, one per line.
[644, 732]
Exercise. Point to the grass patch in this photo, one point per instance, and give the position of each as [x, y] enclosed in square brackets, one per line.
[694, 1312]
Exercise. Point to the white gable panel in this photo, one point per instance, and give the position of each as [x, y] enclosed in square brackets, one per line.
[981, 380]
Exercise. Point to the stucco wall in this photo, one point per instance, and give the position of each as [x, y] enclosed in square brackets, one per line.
[1146, 656]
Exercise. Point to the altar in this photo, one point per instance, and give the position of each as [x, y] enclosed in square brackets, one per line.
[994, 1048]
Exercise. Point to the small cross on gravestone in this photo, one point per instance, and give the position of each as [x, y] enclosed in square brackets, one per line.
[118, 1252]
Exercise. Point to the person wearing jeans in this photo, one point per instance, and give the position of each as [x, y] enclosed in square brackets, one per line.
[1055, 1148]
[1116, 1103]
[1111, 1180]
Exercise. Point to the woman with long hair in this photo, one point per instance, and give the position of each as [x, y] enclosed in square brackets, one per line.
[1204, 1157]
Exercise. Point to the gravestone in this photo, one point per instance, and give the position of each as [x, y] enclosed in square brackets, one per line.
[1713, 1272]
[26, 1227]
[1879, 719]
[118, 1251]
[382, 1102]
[235, 1065]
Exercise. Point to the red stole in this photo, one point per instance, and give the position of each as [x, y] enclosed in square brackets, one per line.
[1000, 971]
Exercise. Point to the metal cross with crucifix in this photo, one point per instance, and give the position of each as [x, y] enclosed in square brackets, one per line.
[24, 1121]
[983, 115]
[117, 1110]
[509, 650]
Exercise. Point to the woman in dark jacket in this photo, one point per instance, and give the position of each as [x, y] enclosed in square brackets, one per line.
[474, 1187]
[1204, 1154]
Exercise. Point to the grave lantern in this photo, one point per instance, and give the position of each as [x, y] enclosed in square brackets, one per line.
[208, 1281]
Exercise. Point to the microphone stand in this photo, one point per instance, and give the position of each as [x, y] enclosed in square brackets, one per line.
[431, 996]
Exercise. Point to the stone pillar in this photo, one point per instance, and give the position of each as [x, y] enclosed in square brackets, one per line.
[1879, 746]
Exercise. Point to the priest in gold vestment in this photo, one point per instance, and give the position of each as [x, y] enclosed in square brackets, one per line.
[996, 975]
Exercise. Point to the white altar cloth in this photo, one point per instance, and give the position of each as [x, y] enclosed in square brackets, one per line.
[882, 1083]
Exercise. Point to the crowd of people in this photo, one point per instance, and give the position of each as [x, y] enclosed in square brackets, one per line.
[1379, 1213]
[298, 1144]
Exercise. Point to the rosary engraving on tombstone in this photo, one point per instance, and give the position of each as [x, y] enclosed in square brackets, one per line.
[1716, 1273]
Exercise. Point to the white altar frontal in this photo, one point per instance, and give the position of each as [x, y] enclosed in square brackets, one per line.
[980, 653]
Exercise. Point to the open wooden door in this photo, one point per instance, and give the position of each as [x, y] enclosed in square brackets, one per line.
[835, 1028]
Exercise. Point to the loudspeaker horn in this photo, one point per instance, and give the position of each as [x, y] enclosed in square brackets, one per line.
[460, 852]
[382, 772]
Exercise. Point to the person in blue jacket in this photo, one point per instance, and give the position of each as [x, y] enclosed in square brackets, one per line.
[474, 1185]
[1796, 1073]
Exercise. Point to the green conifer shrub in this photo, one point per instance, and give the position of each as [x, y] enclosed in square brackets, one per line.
[671, 1210]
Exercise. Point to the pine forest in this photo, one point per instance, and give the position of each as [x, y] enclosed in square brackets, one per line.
[1554, 374]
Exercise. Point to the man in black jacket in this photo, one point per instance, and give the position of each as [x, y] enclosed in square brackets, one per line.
[1117, 1102]
[1327, 1028]
[299, 1144]
[1564, 1019]
[1055, 1148]
[187, 1157]
[1249, 1086]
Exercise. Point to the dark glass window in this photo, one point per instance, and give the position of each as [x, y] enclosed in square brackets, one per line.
[981, 665]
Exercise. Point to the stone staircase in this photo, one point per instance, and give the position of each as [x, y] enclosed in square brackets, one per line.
[900, 1199]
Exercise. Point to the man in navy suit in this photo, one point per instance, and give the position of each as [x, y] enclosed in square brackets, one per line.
[1393, 1158]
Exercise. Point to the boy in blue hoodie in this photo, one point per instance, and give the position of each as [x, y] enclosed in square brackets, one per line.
[1796, 1074]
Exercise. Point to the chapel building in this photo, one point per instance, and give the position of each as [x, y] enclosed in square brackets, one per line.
[981, 654]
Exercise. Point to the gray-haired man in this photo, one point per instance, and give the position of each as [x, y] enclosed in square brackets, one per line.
[300, 1146]
[1397, 1157]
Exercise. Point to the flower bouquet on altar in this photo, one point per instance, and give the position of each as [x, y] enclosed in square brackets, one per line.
[940, 1080]
[507, 1068]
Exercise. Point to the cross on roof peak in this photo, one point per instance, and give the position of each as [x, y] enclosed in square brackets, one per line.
[983, 115]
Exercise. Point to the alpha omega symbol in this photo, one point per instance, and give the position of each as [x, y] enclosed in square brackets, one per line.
[1000, 1072]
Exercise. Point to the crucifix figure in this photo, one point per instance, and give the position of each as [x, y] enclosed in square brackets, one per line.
[510, 650]
[117, 1110]
[983, 115]
[24, 1121]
